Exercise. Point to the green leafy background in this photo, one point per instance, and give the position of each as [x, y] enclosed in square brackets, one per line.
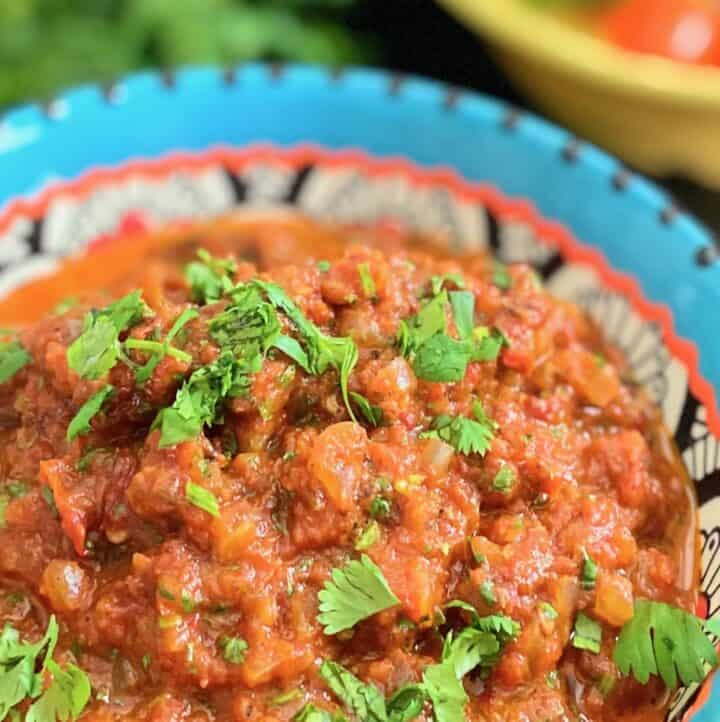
[46, 45]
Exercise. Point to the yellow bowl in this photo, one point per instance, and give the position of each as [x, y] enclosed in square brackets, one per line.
[660, 116]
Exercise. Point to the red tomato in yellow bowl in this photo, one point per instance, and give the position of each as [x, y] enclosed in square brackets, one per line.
[683, 30]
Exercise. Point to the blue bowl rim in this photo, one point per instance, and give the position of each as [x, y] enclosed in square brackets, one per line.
[696, 239]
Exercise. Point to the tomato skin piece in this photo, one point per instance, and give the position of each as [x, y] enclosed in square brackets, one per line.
[684, 30]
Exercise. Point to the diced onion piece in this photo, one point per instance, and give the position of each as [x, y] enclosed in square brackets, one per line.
[437, 456]
[614, 602]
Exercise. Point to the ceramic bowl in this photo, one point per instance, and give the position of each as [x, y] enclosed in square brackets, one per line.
[661, 116]
[364, 146]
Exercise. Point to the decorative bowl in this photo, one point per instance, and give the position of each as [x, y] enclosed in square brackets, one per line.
[661, 116]
[361, 146]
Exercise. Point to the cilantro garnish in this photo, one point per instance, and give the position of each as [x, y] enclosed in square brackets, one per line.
[589, 572]
[548, 611]
[357, 591]
[210, 278]
[80, 423]
[369, 536]
[437, 282]
[380, 507]
[430, 320]
[504, 628]
[96, 350]
[13, 357]
[463, 308]
[311, 713]
[64, 306]
[666, 641]
[319, 351]
[234, 649]
[197, 402]
[446, 692]
[587, 634]
[442, 359]
[367, 281]
[500, 277]
[366, 703]
[467, 436]
[364, 700]
[435, 355]
[248, 321]
[158, 349]
[64, 699]
[202, 498]
[487, 592]
[504, 480]
[372, 414]
[477, 645]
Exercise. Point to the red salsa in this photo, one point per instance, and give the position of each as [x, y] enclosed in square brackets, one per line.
[329, 473]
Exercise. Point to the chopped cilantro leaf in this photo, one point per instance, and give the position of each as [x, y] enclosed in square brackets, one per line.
[187, 603]
[356, 591]
[488, 343]
[367, 281]
[323, 266]
[587, 634]
[437, 282]
[311, 713]
[442, 359]
[504, 480]
[500, 277]
[469, 649]
[418, 329]
[198, 401]
[446, 692]
[209, 278]
[322, 351]
[291, 348]
[372, 414]
[80, 423]
[364, 701]
[64, 699]
[380, 507]
[285, 697]
[369, 536]
[487, 592]
[406, 703]
[49, 497]
[165, 593]
[64, 306]
[234, 649]
[248, 320]
[548, 611]
[202, 498]
[96, 350]
[463, 308]
[435, 355]
[589, 572]
[159, 350]
[666, 641]
[13, 357]
[467, 436]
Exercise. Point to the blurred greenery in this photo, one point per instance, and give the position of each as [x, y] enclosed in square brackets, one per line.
[46, 45]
